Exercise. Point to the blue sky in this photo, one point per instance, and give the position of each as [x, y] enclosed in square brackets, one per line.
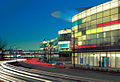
[25, 23]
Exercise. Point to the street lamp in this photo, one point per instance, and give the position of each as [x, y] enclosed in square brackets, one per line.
[44, 43]
[73, 50]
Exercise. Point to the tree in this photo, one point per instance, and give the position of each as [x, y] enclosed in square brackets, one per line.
[3, 44]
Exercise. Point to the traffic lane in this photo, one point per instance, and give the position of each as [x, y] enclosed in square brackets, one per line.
[76, 73]
[41, 74]
[23, 76]
[80, 73]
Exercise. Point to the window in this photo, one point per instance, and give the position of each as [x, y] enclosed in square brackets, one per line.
[93, 17]
[87, 23]
[106, 13]
[99, 20]
[107, 40]
[101, 35]
[80, 21]
[93, 36]
[88, 36]
[114, 10]
[114, 17]
[93, 22]
[106, 19]
[63, 45]
[88, 18]
[83, 20]
[84, 32]
[114, 33]
[107, 34]
[93, 26]
[99, 15]
[65, 37]
[93, 41]
[74, 23]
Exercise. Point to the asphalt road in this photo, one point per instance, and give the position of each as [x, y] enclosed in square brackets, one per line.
[20, 74]
[83, 74]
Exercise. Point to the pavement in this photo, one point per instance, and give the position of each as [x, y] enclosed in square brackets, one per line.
[110, 77]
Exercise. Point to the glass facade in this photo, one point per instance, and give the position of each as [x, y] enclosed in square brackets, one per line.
[65, 37]
[98, 35]
[100, 59]
[98, 25]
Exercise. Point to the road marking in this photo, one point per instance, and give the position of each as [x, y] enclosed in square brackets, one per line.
[22, 74]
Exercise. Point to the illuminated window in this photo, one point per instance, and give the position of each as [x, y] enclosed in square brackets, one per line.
[107, 34]
[99, 21]
[79, 38]
[106, 19]
[114, 10]
[114, 33]
[106, 13]
[106, 6]
[101, 35]
[80, 21]
[88, 12]
[114, 27]
[93, 22]
[93, 17]
[114, 17]
[83, 25]
[99, 15]
[74, 23]
[83, 20]
[93, 36]
[83, 14]
[114, 39]
[84, 37]
[88, 18]
[99, 8]
[97, 36]
[98, 40]
[93, 10]
[114, 4]
[93, 41]
[93, 26]
[74, 18]
[107, 40]
[79, 16]
[88, 37]
[87, 24]
[80, 43]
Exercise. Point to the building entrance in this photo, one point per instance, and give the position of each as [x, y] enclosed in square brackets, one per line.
[105, 62]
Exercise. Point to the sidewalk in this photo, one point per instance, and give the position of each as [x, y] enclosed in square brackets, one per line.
[81, 73]
[96, 68]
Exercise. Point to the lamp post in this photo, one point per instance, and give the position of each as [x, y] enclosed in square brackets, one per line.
[73, 50]
[44, 50]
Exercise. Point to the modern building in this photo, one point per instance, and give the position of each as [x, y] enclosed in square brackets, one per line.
[97, 31]
[49, 47]
[64, 42]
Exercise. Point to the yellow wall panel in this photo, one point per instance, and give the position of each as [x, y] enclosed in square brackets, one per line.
[93, 31]
[88, 32]
[99, 30]
[79, 33]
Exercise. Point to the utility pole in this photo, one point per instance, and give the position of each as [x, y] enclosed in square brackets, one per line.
[73, 48]
[50, 51]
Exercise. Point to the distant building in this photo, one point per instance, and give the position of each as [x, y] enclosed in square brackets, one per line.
[98, 35]
[64, 42]
[49, 46]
